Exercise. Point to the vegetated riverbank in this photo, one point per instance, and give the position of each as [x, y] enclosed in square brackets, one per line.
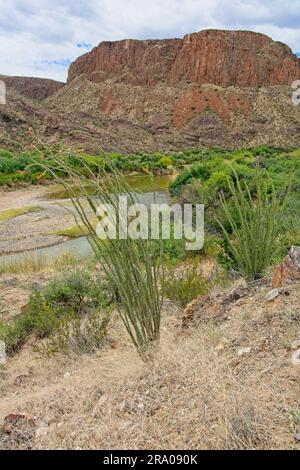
[202, 175]
[30, 167]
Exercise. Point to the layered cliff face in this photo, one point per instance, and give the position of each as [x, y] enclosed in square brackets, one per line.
[33, 88]
[128, 61]
[225, 58]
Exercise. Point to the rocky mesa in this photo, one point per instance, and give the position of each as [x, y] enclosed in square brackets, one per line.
[224, 58]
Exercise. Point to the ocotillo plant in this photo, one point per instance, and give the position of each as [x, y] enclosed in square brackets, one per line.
[254, 225]
[132, 270]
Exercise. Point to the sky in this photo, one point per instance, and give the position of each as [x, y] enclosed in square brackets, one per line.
[41, 38]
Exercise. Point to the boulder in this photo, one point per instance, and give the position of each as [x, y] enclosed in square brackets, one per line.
[289, 270]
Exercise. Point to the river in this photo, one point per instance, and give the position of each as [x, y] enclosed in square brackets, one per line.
[147, 189]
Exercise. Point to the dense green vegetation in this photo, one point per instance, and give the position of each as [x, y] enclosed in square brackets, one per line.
[218, 172]
[25, 167]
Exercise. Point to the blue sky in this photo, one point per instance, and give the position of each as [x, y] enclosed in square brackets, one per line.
[41, 37]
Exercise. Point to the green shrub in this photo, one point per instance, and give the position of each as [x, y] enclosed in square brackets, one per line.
[165, 162]
[64, 311]
[182, 290]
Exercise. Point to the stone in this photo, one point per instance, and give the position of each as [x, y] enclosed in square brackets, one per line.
[244, 352]
[19, 426]
[277, 278]
[2, 353]
[295, 345]
[21, 380]
[296, 358]
[42, 431]
[294, 254]
[272, 295]
[121, 406]
[289, 269]
[223, 343]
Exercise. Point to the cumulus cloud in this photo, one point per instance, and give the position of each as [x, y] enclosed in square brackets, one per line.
[41, 37]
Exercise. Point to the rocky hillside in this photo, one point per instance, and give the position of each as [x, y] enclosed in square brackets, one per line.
[33, 88]
[212, 88]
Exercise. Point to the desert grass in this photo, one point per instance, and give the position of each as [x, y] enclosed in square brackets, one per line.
[188, 397]
[34, 262]
[76, 231]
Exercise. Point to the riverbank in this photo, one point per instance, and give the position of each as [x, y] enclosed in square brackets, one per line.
[51, 218]
[30, 231]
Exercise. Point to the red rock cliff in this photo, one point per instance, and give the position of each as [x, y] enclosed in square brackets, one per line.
[240, 58]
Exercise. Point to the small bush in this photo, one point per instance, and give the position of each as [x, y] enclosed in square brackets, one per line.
[71, 310]
[165, 162]
[182, 290]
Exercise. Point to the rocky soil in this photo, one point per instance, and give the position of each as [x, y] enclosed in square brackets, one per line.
[227, 381]
[33, 230]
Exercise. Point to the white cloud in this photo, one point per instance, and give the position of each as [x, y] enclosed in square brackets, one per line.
[40, 37]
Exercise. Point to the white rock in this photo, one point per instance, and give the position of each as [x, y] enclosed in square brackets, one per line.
[102, 400]
[43, 425]
[42, 432]
[223, 343]
[67, 375]
[296, 358]
[244, 351]
[272, 295]
[2, 353]
[295, 345]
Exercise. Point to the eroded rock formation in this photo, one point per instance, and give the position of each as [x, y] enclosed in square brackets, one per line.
[225, 58]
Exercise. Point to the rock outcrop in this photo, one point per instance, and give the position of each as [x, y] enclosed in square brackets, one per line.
[289, 270]
[224, 58]
[33, 88]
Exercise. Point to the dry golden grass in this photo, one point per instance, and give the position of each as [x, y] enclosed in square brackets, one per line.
[34, 262]
[189, 396]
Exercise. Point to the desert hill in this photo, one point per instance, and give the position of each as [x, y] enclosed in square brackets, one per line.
[212, 88]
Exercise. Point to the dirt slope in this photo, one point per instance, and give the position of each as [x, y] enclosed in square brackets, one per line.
[198, 392]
